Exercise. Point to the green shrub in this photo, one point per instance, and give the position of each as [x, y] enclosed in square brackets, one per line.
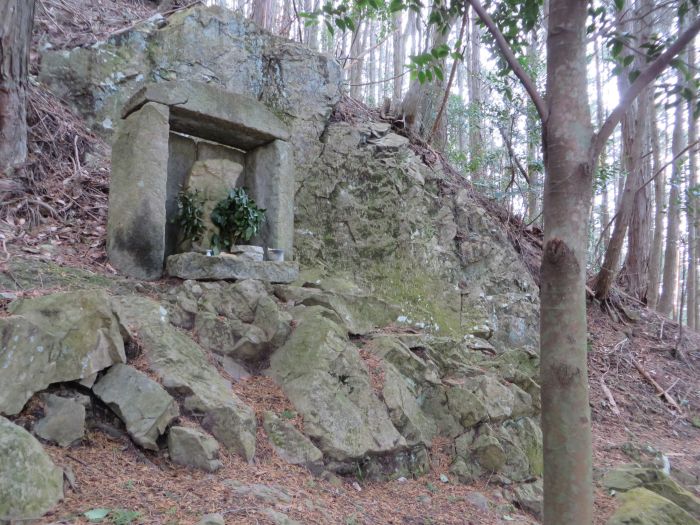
[238, 219]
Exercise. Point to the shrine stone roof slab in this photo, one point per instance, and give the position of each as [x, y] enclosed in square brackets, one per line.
[209, 112]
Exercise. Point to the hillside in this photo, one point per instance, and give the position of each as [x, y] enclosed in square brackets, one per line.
[425, 292]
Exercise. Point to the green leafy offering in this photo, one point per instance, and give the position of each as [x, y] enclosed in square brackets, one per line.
[190, 206]
[238, 219]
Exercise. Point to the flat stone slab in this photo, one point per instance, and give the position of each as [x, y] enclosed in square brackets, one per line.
[210, 112]
[193, 265]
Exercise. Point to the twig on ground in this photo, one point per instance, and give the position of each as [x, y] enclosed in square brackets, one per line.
[660, 391]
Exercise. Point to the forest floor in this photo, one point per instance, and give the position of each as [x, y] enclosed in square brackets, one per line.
[59, 214]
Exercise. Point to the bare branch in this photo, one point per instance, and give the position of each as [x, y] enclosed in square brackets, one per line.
[508, 55]
[643, 80]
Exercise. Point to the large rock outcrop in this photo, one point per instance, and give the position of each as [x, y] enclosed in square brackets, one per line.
[207, 44]
[370, 207]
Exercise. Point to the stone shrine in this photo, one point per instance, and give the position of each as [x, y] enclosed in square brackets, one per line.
[175, 135]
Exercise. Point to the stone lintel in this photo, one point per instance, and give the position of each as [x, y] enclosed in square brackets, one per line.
[192, 265]
[210, 112]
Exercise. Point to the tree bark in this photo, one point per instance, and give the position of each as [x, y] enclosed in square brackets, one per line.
[667, 301]
[692, 213]
[399, 57]
[357, 60]
[604, 213]
[474, 84]
[371, 95]
[657, 244]
[16, 20]
[569, 165]
[533, 138]
[261, 13]
[628, 216]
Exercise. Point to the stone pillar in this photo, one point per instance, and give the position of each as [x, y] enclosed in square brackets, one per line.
[269, 176]
[137, 219]
[182, 153]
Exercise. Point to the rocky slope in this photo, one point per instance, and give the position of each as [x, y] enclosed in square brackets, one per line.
[407, 347]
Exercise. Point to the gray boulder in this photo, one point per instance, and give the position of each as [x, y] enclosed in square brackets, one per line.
[323, 375]
[627, 477]
[291, 445]
[142, 404]
[528, 496]
[405, 411]
[360, 311]
[270, 494]
[55, 338]
[232, 338]
[193, 448]
[512, 450]
[30, 484]
[63, 422]
[644, 507]
[183, 368]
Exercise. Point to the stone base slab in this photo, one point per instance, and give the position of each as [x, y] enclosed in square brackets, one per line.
[191, 265]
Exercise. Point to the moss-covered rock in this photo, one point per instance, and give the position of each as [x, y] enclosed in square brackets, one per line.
[628, 477]
[291, 445]
[184, 370]
[329, 385]
[644, 507]
[30, 484]
[58, 337]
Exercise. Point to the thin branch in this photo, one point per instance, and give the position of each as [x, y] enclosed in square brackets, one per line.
[508, 55]
[382, 81]
[643, 80]
[513, 156]
[366, 51]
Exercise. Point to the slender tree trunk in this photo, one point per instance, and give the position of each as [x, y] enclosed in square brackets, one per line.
[357, 60]
[659, 204]
[399, 57]
[473, 76]
[633, 210]
[532, 128]
[461, 122]
[600, 117]
[261, 13]
[692, 213]
[16, 20]
[633, 134]
[566, 422]
[667, 301]
[388, 68]
[371, 96]
[634, 275]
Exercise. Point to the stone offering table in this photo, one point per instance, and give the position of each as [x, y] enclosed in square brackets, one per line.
[193, 265]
